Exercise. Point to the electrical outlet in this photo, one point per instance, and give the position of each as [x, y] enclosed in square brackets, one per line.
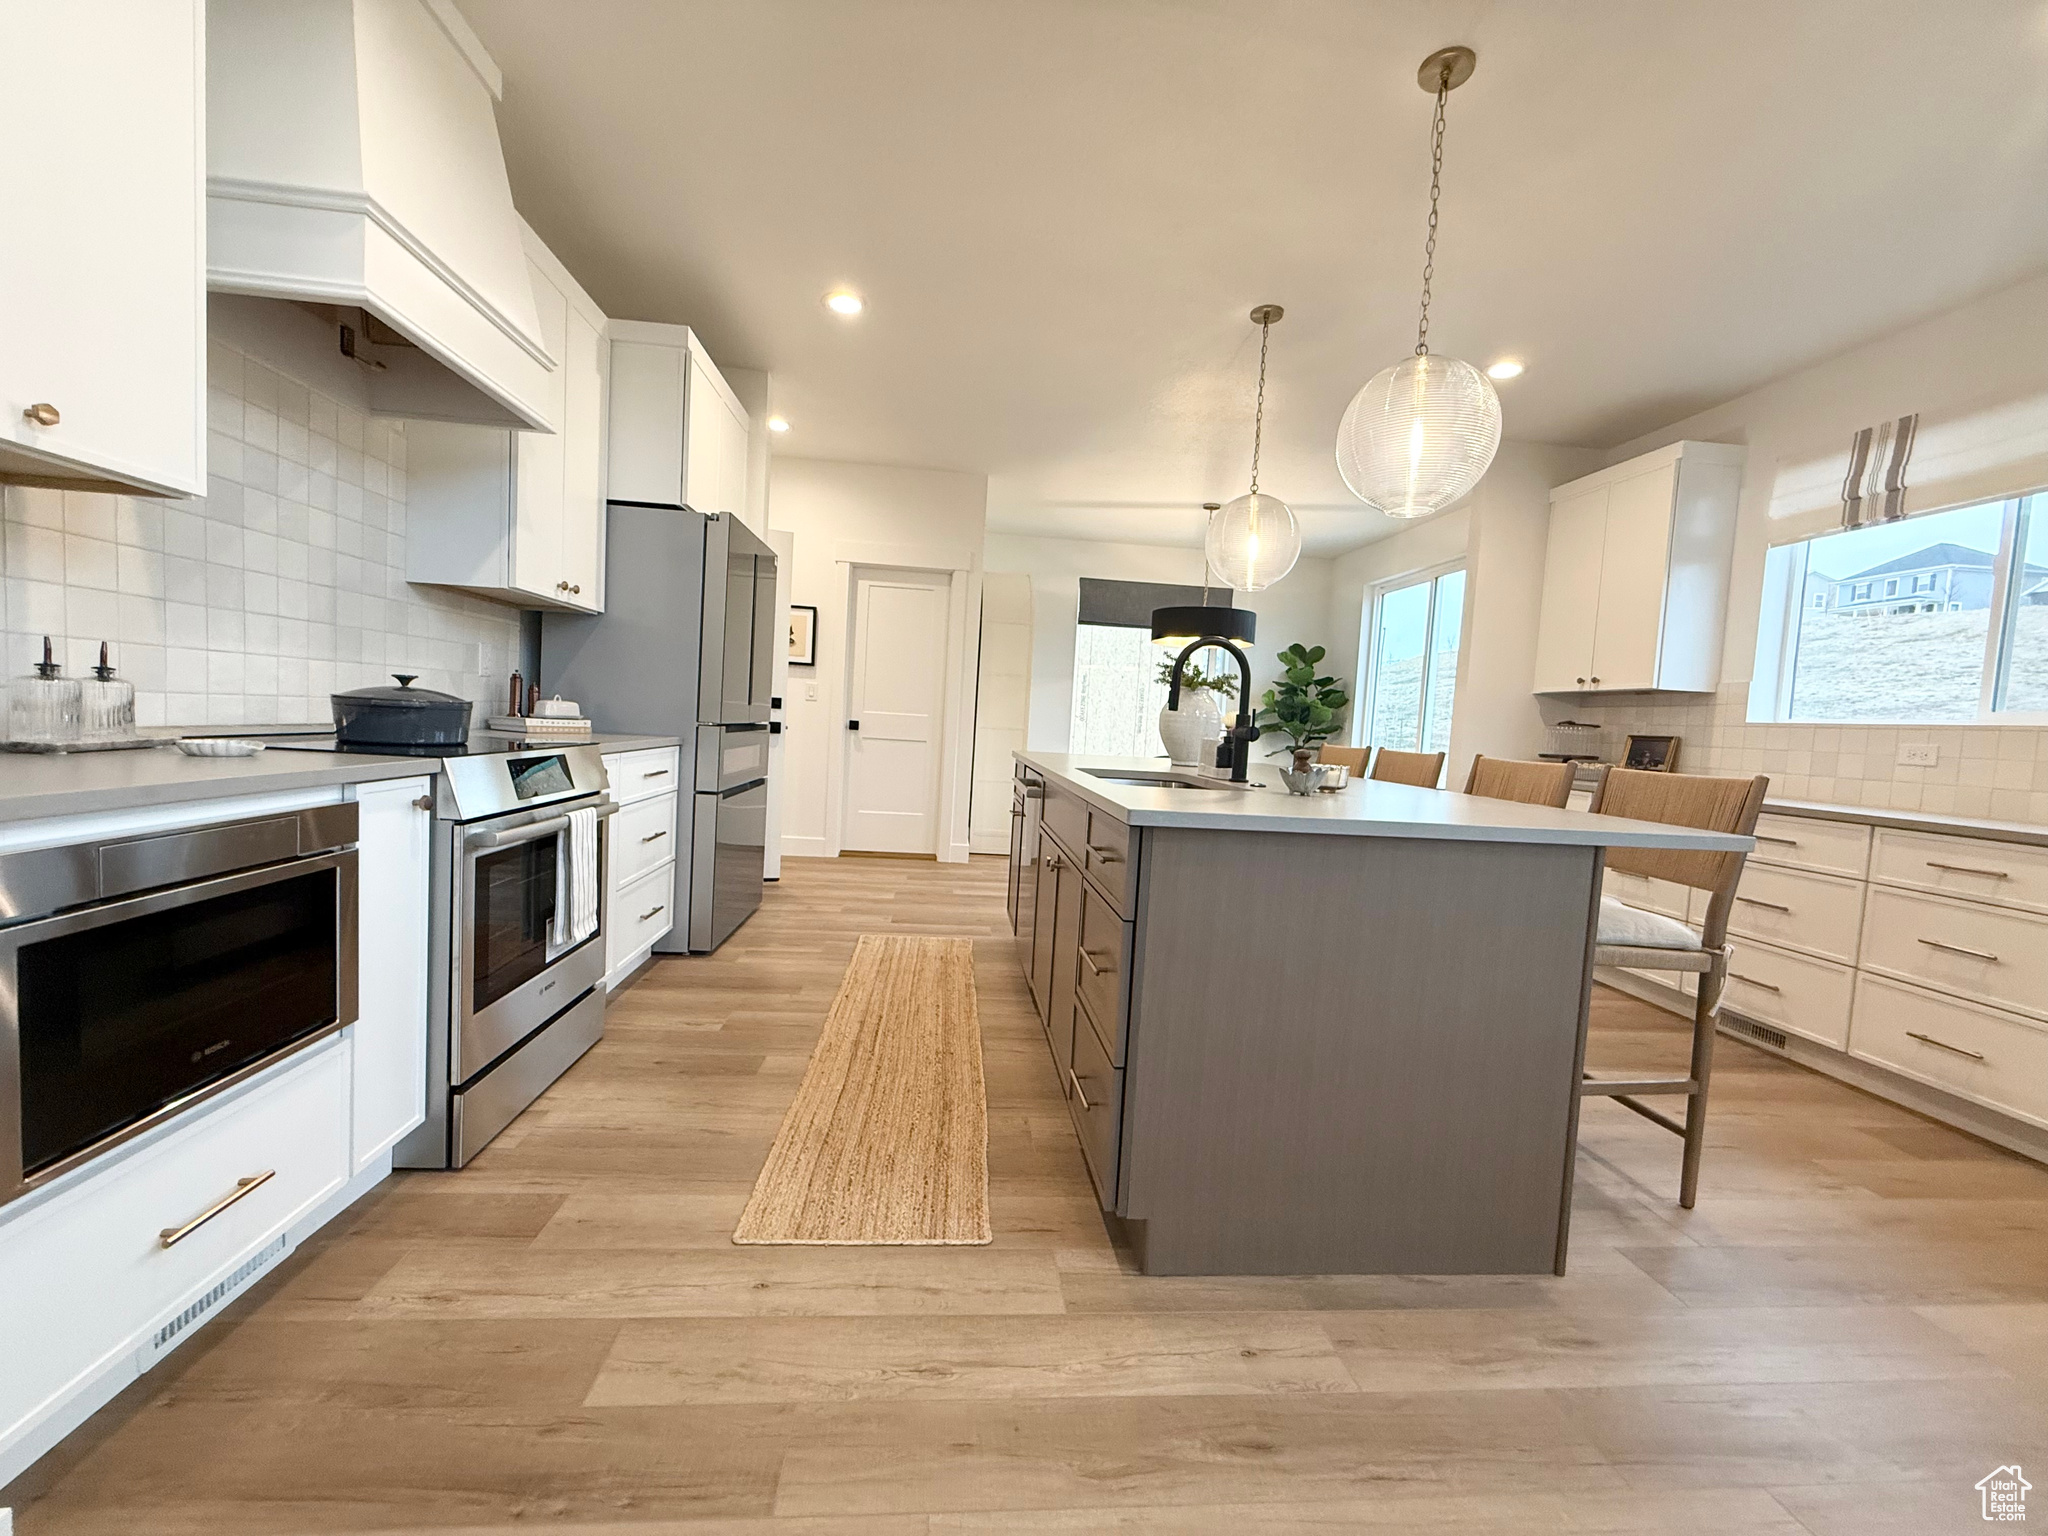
[810, 693]
[1918, 754]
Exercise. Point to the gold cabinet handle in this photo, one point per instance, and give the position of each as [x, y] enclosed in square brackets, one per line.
[43, 414]
[655, 773]
[654, 837]
[1106, 855]
[1086, 1107]
[1088, 955]
[1768, 906]
[423, 803]
[1768, 986]
[1054, 861]
[655, 911]
[1969, 869]
[1957, 949]
[1782, 842]
[170, 1237]
[1943, 1045]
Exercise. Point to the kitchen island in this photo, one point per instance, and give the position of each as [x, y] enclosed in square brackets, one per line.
[1339, 1034]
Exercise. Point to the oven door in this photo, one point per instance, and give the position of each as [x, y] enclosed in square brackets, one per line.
[116, 1017]
[513, 973]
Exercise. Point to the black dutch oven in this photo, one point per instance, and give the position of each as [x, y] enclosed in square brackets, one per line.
[404, 716]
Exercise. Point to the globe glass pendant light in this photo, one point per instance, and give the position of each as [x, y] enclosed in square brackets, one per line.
[1421, 433]
[1255, 540]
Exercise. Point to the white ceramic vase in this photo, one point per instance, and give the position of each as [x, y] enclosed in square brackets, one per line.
[1190, 733]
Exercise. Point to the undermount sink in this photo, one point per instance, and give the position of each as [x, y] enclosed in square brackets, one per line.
[1161, 779]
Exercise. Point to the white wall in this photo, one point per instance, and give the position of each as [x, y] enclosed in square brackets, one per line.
[1295, 608]
[1002, 704]
[1984, 363]
[843, 515]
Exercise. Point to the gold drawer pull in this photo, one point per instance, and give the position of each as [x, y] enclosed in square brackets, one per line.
[1769, 906]
[654, 837]
[655, 773]
[1086, 1107]
[1943, 1045]
[43, 414]
[1969, 869]
[1782, 842]
[1957, 949]
[1768, 986]
[653, 912]
[170, 1237]
[1088, 955]
[1106, 855]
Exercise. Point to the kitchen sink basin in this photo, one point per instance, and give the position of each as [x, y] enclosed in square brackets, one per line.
[1162, 779]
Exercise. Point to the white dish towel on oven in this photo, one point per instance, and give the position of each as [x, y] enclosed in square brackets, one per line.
[576, 893]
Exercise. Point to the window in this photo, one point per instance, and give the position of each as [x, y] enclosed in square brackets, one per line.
[1976, 649]
[1117, 692]
[1411, 648]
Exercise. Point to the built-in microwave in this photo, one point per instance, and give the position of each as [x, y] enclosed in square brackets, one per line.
[140, 975]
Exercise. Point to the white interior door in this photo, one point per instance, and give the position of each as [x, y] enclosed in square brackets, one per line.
[896, 694]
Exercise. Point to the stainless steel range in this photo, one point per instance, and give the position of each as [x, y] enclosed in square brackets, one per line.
[515, 996]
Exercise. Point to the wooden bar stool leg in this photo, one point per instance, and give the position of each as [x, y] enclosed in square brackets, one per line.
[1696, 1101]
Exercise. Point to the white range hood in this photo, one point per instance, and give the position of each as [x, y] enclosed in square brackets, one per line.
[353, 162]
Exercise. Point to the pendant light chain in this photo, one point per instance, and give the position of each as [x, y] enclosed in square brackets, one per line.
[1259, 411]
[1436, 176]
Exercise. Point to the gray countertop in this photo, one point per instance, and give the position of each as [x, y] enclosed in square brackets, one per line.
[34, 786]
[1912, 821]
[1361, 809]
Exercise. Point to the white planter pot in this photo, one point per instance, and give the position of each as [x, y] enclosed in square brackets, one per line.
[1191, 732]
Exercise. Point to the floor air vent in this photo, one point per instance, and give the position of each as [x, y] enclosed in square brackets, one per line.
[165, 1338]
[1763, 1034]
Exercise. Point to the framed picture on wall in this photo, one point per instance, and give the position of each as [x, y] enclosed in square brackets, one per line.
[803, 635]
[1659, 754]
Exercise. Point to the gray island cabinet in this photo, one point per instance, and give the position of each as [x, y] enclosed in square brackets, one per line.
[1329, 1035]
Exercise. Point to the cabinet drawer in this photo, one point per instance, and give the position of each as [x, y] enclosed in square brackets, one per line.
[1109, 859]
[1650, 895]
[1095, 1098]
[1796, 993]
[1066, 817]
[643, 835]
[641, 913]
[1101, 968]
[637, 775]
[86, 1274]
[1831, 847]
[2005, 874]
[1959, 947]
[1821, 914]
[1975, 1052]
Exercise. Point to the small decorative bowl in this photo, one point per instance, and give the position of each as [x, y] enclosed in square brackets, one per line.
[218, 746]
[1334, 777]
[1301, 783]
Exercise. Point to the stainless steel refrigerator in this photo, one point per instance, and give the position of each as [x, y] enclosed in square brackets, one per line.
[683, 648]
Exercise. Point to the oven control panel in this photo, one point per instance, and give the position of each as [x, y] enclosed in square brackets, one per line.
[498, 782]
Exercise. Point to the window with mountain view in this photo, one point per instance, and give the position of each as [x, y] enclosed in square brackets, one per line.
[1939, 619]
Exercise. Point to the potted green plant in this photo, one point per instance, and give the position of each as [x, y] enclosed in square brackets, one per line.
[1191, 732]
[1304, 706]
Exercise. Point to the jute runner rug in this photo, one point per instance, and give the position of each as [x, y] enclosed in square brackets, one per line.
[887, 1141]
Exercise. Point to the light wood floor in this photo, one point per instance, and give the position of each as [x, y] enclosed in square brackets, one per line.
[1849, 1331]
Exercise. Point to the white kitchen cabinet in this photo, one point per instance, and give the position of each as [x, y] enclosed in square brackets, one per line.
[1635, 576]
[640, 859]
[678, 433]
[103, 350]
[389, 1069]
[519, 516]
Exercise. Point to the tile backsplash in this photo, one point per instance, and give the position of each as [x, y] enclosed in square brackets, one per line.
[1998, 773]
[249, 606]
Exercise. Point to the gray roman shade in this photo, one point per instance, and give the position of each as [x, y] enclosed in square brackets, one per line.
[1130, 603]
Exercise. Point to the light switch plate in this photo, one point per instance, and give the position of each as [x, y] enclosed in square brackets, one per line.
[811, 693]
[1918, 754]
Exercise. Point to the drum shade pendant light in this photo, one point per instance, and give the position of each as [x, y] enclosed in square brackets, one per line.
[1175, 625]
[1421, 433]
[1254, 540]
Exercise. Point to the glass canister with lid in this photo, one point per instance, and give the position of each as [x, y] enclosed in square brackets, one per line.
[106, 704]
[43, 707]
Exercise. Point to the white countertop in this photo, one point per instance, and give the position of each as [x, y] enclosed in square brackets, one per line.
[1361, 809]
[1912, 821]
[34, 785]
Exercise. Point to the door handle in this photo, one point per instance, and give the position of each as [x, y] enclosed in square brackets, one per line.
[1086, 1107]
[853, 725]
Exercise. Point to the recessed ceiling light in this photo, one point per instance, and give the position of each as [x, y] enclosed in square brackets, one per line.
[778, 423]
[843, 301]
[1506, 368]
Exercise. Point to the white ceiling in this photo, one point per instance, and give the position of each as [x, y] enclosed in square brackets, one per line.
[1060, 212]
